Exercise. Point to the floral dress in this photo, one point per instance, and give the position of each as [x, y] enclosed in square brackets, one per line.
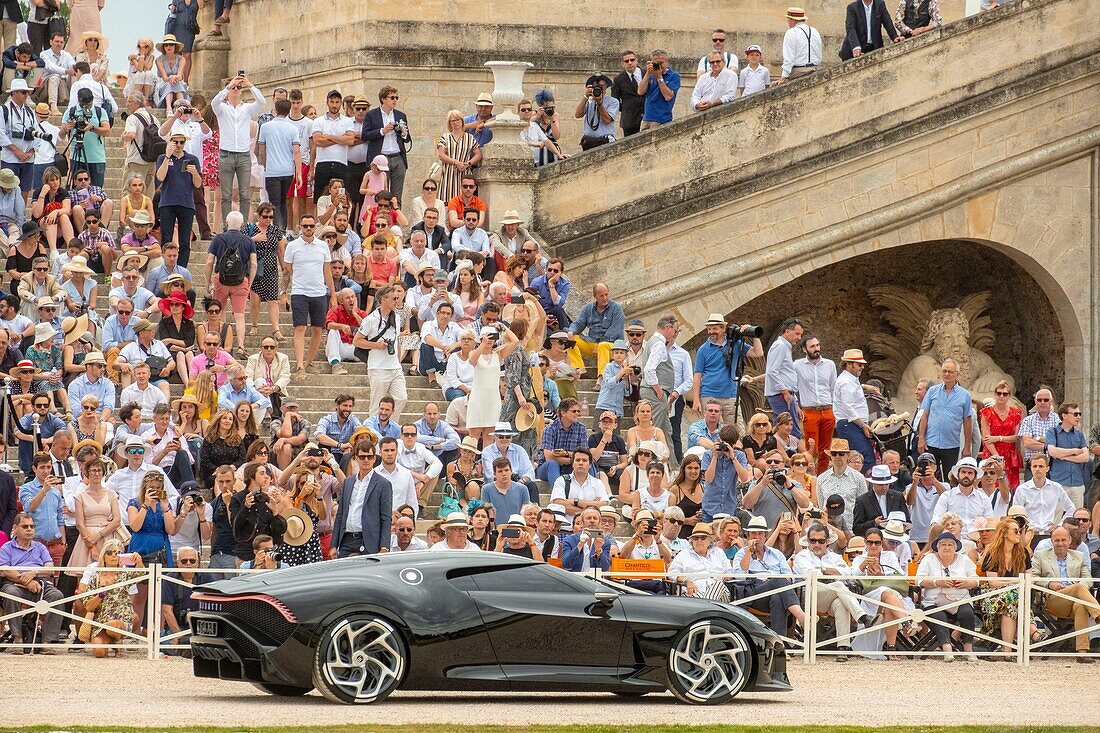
[1006, 603]
[48, 360]
[308, 553]
[210, 149]
[116, 605]
[516, 370]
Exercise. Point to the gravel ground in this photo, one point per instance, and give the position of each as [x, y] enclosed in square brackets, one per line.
[136, 692]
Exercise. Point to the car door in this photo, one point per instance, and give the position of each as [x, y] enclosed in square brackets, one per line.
[538, 618]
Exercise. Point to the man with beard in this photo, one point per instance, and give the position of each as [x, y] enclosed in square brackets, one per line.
[850, 407]
[947, 414]
[345, 235]
[816, 379]
[963, 499]
[714, 379]
[334, 430]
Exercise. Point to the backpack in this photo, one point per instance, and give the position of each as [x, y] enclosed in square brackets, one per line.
[152, 144]
[231, 266]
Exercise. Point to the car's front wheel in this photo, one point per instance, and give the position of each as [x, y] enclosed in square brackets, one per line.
[361, 659]
[709, 662]
[282, 690]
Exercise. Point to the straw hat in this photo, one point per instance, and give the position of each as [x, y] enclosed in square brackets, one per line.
[24, 366]
[856, 545]
[73, 328]
[796, 14]
[141, 218]
[86, 442]
[484, 98]
[702, 529]
[880, 474]
[103, 40]
[128, 260]
[46, 301]
[895, 530]
[469, 443]
[854, 356]
[19, 85]
[981, 524]
[504, 428]
[757, 524]
[169, 40]
[517, 521]
[8, 179]
[299, 527]
[359, 433]
[526, 417]
[455, 519]
[511, 216]
[839, 445]
[78, 264]
[190, 399]
[171, 280]
[94, 357]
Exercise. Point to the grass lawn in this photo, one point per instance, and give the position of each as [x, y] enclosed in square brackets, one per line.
[578, 729]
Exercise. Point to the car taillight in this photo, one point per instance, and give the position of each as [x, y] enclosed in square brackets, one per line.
[230, 604]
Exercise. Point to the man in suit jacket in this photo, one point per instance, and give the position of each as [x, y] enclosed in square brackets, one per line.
[863, 26]
[273, 368]
[438, 241]
[625, 89]
[588, 547]
[362, 525]
[1058, 568]
[868, 507]
[386, 132]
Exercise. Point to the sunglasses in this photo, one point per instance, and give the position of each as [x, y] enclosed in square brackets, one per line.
[718, 40]
[800, 464]
[675, 521]
[408, 435]
[430, 188]
[41, 269]
[465, 186]
[188, 561]
[111, 553]
[1001, 394]
[365, 456]
[527, 251]
[819, 541]
[330, 236]
[525, 109]
[1042, 399]
[262, 452]
[210, 343]
[267, 216]
[873, 542]
[268, 348]
[213, 312]
[393, 96]
[135, 451]
[125, 313]
[308, 226]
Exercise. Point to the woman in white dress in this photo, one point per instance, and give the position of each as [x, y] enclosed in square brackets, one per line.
[701, 557]
[483, 411]
[655, 497]
[891, 606]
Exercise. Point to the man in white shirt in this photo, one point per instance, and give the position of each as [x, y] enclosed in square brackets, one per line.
[235, 136]
[831, 596]
[440, 338]
[1045, 501]
[802, 47]
[420, 461]
[718, 38]
[659, 373]
[715, 88]
[332, 134]
[83, 80]
[815, 380]
[126, 481]
[455, 530]
[312, 293]
[145, 394]
[470, 237]
[780, 381]
[57, 74]
[755, 77]
[415, 258]
[401, 479]
[965, 499]
[404, 537]
[378, 335]
[167, 448]
[850, 407]
[576, 495]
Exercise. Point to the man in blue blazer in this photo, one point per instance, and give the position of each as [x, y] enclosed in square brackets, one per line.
[587, 547]
[386, 132]
[362, 525]
[863, 26]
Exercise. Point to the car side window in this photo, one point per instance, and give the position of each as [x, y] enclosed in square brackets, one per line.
[523, 579]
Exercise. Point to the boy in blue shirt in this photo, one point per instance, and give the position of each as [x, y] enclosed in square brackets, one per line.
[615, 384]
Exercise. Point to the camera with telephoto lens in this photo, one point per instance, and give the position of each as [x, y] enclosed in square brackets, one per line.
[29, 135]
[736, 332]
[275, 556]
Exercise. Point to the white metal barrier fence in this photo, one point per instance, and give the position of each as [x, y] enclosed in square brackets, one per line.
[1030, 605]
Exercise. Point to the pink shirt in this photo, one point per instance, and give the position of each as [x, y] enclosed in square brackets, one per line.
[223, 359]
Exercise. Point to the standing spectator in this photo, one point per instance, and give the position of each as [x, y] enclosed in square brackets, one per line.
[480, 123]
[842, 480]
[309, 273]
[386, 132]
[178, 175]
[599, 110]
[332, 135]
[625, 89]
[1034, 426]
[543, 149]
[723, 467]
[133, 137]
[1045, 500]
[1069, 453]
[279, 151]
[99, 127]
[802, 47]
[378, 336]
[235, 140]
[18, 116]
[231, 268]
[999, 425]
[659, 85]
[270, 243]
[458, 152]
[718, 38]
[947, 415]
[658, 374]
[850, 406]
[717, 86]
[201, 134]
[914, 17]
[83, 20]
[715, 378]
[11, 15]
[816, 380]
[362, 524]
[863, 24]
[780, 378]
[755, 77]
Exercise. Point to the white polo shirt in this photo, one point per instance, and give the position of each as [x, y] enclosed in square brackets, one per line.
[753, 80]
[330, 126]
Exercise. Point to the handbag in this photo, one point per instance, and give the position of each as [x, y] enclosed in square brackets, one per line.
[56, 24]
[121, 534]
[436, 171]
[897, 584]
[448, 502]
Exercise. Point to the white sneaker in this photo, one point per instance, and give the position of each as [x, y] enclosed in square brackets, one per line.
[949, 657]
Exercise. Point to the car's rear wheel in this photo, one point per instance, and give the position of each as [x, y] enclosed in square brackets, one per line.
[361, 659]
[709, 662]
[282, 690]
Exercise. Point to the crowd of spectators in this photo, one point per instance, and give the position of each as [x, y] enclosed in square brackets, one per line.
[99, 329]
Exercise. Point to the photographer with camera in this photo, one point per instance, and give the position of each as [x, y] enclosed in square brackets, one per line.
[724, 466]
[716, 362]
[264, 555]
[378, 336]
[659, 85]
[775, 496]
[599, 110]
[17, 134]
[88, 125]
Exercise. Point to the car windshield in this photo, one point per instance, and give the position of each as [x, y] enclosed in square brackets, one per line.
[588, 583]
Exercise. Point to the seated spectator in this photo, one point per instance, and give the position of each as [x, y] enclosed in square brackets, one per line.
[645, 431]
[874, 505]
[465, 475]
[176, 603]
[587, 547]
[516, 538]
[289, 432]
[135, 205]
[342, 322]
[1007, 557]
[132, 289]
[883, 594]
[552, 290]
[455, 528]
[168, 449]
[404, 537]
[269, 372]
[942, 574]
[45, 354]
[222, 445]
[729, 537]
[505, 495]
[458, 379]
[237, 390]
[81, 289]
[13, 208]
[37, 285]
[440, 338]
[757, 557]
[87, 424]
[24, 551]
[146, 354]
[579, 488]
[23, 253]
[1074, 599]
[646, 544]
[188, 424]
[213, 358]
[437, 436]
[334, 430]
[89, 200]
[382, 422]
[111, 607]
[263, 554]
[53, 211]
[176, 330]
[699, 558]
[215, 324]
[421, 462]
[560, 440]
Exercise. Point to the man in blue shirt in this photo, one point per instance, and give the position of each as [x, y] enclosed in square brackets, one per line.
[118, 330]
[659, 84]
[97, 127]
[723, 466]
[237, 389]
[715, 365]
[381, 423]
[553, 290]
[280, 152]
[704, 432]
[1069, 453]
[504, 446]
[24, 551]
[506, 495]
[477, 124]
[604, 320]
[43, 500]
[334, 430]
[92, 382]
[599, 110]
[947, 414]
[437, 436]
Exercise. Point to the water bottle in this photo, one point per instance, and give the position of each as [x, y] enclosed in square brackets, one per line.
[584, 406]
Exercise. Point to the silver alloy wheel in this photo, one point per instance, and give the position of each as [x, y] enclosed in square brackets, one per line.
[364, 659]
[709, 663]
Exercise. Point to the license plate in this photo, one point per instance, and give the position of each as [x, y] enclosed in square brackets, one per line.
[206, 628]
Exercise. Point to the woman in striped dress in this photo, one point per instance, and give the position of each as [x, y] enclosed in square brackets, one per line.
[458, 151]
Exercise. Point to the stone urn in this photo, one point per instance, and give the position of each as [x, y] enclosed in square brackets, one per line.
[508, 91]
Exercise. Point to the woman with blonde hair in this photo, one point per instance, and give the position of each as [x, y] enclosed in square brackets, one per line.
[758, 440]
[1007, 556]
[143, 75]
[644, 430]
[457, 151]
[111, 607]
[203, 389]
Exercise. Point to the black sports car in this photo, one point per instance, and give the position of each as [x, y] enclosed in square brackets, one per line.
[358, 629]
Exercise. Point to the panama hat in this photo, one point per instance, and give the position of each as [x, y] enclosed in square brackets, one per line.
[85, 443]
[46, 301]
[880, 474]
[511, 216]
[94, 357]
[635, 326]
[484, 98]
[8, 179]
[856, 545]
[44, 332]
[895, 530]
[103, 40]
[795, 13]
[425, 266]
[469, 443]
[73, 328]
[187, 398]
[171, 280]
[757, 524]
[897, 516]
[702, 529]
[18, 85]
[526, 417]
[968, 462]
[76, 264]
[715, 319]
[143, 324]
[839, 445]
[854, 356]
[299, 526]
[565, 336]
[981, 524]
[42, 109]
[504, 428]
[127, 260]
[168, 40]
[359, 433]
[641, 516]
[455, 519]
[140, 218]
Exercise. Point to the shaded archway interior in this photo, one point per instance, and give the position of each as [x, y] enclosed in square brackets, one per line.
[835, 304]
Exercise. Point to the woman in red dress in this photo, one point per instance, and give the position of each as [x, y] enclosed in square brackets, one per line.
[1000, 423]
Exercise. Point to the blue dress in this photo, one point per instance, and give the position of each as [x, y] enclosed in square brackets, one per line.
[164, 87]
[151, 537]
[187, 15]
